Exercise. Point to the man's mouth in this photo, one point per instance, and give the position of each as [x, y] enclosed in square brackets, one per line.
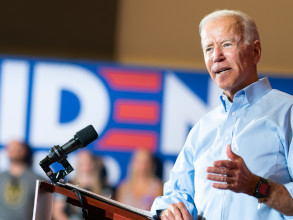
[222, 70]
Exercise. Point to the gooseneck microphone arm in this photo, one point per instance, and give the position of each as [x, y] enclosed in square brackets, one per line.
[59, 154]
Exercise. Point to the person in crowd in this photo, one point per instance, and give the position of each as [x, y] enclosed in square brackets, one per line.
[237, 162]
[17, 184]
[141, 186]
[90, 175]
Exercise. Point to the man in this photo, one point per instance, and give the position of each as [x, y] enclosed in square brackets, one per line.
[17, 185]
[237, 162]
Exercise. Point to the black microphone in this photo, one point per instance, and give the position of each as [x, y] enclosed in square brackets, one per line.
[81, 139]
[59, 154]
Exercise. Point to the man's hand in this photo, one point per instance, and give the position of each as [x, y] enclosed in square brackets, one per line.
[233, 174]
[176, 211]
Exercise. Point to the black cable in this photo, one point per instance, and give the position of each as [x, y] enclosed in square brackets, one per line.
[80, 198]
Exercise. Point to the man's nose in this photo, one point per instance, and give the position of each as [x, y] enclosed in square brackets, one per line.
[218, 55]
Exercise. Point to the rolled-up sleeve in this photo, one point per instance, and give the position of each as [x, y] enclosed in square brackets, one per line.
[180, 187]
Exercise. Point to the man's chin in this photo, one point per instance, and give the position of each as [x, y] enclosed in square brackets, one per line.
[223, 85]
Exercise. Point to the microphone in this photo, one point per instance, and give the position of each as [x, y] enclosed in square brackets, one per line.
[59, 154]
[81, 139]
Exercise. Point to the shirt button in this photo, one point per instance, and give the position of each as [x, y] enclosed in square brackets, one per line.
[227, 138]
[233, 113]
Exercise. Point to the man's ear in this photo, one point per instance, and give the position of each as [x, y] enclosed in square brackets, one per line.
[256, 51]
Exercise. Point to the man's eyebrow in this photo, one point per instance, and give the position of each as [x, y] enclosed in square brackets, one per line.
[224, 41]
[206, 45]
[232, 40]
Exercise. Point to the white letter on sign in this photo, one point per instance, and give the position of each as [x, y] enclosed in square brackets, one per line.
[50, 79]
[14, 97]
[182, 108]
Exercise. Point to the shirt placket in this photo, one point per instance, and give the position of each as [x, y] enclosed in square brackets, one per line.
[229, 128]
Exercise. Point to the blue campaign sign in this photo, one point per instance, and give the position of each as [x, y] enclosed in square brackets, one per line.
[45, 102]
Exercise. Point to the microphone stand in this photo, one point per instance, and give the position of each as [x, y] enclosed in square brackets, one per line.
[57, 154]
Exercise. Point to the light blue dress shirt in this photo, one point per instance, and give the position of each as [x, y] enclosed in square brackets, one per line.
[259, 127]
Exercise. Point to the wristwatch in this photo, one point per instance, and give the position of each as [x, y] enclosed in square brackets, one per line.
[262, 189]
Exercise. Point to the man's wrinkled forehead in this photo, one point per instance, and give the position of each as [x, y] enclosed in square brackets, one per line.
[229, 26]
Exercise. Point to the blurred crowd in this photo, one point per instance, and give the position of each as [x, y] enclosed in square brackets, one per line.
[17, 184]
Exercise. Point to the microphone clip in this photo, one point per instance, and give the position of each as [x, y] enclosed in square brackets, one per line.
[57, 154]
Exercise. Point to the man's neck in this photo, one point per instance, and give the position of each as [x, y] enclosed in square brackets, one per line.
[17, 169]
[231, 93]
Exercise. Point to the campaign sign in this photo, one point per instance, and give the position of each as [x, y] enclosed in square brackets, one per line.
[45, 102]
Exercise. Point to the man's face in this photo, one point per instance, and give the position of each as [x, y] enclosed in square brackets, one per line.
[16, 151]
[230, 62]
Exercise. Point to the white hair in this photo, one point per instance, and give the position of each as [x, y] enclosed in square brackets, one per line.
[250, 32]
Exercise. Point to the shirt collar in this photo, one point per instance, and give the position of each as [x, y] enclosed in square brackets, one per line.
[225, 102]
[253, 93]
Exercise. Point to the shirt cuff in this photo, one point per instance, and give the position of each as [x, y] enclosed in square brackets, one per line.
[163, 202]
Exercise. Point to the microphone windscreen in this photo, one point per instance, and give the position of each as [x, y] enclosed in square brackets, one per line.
[87, 135]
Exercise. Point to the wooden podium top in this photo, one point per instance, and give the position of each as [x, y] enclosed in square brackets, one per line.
[99, 207]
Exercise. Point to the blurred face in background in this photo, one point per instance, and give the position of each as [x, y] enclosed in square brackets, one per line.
[17, 152]
[86, 163]
[142, 163]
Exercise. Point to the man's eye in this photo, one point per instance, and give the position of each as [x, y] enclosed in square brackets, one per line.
[208, 49]
[227, 45]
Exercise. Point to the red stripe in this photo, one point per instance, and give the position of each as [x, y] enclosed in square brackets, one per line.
[128, 140]
[131, 80]
[145, 112]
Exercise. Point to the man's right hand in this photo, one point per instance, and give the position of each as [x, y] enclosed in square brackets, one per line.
[176, 211]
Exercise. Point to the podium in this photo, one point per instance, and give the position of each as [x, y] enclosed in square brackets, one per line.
[98, 207]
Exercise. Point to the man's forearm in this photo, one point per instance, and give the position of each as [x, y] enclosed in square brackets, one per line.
[280, 199]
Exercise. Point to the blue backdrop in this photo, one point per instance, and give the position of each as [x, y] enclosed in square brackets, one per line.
[45, 102]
